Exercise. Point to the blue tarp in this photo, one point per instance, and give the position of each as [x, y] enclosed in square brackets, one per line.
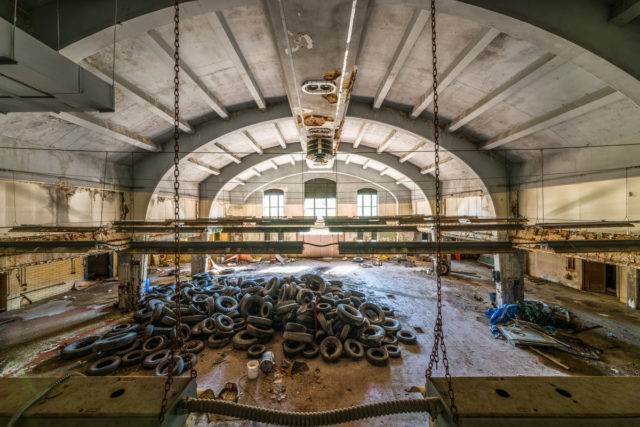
[503, 313]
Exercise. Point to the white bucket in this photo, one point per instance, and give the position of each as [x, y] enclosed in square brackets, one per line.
[252, 369]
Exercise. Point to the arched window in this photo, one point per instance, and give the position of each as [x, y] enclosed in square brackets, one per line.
[367, 202]
[320, 197]
[273, 204]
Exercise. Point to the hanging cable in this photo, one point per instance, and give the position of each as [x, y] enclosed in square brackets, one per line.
[438, 334]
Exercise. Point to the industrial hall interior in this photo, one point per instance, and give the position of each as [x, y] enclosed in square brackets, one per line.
[308, 213]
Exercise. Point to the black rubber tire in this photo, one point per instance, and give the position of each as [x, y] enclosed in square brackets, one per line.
[168, 321]
[190, 360]
[193, 346]
[323, 307]
[216, 341]
[137, 345]
[239, 324]
[353, 349]
[292, 349]
[390, 340]
[226, 304]
[114, 342]
[243, 340]
[377, 356]
[372, 312]
[406, 336]
[255, 351]
[125, 327]
[390, 326]
[208, 326]
[154, 344]
[104, 366]
[162, 368]
[344, 332]
[331, 349]
[266, 310]
[224, 323]
[193, 318]
[251, 305]
[79, 348]
[393, 351]
[156, 314]
[294, 327]
[388, 311]
[262, 322]
[372, 336]
[132, 358]
[260, 333]
[298, 337]
[311, 351]
[350, 315]
[152, 360]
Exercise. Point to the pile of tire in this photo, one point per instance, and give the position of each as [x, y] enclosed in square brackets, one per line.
[317, 317]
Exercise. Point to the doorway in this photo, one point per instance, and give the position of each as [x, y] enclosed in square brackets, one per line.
[611, 277]
[98, 266]
[595, 277]
[4, 291]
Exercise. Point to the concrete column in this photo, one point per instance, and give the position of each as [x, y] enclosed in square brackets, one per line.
[132, 274]
[510, 287]
[633, 288]
[199, 261]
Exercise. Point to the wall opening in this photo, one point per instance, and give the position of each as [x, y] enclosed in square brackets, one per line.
[4, 291]
[611, 280]
[98, 266]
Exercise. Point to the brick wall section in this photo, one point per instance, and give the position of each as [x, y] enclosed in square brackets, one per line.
[43, 281]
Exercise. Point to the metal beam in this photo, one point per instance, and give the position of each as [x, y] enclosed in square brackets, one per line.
[481, 227]
[387, 141]
[131, 90]
[266, 229]
[244, 247]
[587, 246]
[279, 136]
[228, 153]
[361, 133]
[425, 247]
[234, 53]
[376, 228]
[163, 48]
[49, 246]
[625, 11]
[409, 154]
[430, 168]
[108, 129]
[464, 58]
[414, 28]
[589, 224]
[204, 167]
[252, 142]
[531, 73]
[577, 108]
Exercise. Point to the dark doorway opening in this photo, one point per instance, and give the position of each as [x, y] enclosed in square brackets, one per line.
[611, 280]
[4, 291]
[98, 266]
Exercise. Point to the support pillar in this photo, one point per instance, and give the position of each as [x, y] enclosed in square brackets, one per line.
[510, 284]
[633, 288]
[132, 274]
[199, 261]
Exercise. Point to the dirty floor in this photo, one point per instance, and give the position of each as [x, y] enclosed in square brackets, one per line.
[411, 292]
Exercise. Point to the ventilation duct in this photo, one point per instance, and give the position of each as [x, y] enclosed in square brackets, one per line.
[34, 77]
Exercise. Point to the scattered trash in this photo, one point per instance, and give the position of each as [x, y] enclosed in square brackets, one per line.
[229, 392]
[299, 367]
[267, 362]
[357, 259]
[464, 273]
[280, 259]
[285, 364]
[504, 313]
[252, 369]
[549, 357]
[520, 334]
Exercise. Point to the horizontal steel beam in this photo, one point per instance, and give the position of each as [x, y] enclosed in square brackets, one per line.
[374, 228]
[265, 229]
[54, 229]
[8, 247]
[481, 227]
[593, 224]
[586, 246]
[425, 247]
[245, 247]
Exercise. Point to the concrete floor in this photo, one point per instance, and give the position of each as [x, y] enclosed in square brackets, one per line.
[472, 349]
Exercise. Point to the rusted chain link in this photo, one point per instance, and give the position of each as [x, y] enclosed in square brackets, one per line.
[438, 333]
[177, 339]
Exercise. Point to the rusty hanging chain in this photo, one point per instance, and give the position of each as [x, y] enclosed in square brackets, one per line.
[177, 339]
[438, 333]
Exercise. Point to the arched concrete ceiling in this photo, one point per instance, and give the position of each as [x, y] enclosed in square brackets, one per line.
[513, 77]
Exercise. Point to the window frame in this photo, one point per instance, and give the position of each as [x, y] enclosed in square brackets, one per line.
[367, 202]
[268, 205]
